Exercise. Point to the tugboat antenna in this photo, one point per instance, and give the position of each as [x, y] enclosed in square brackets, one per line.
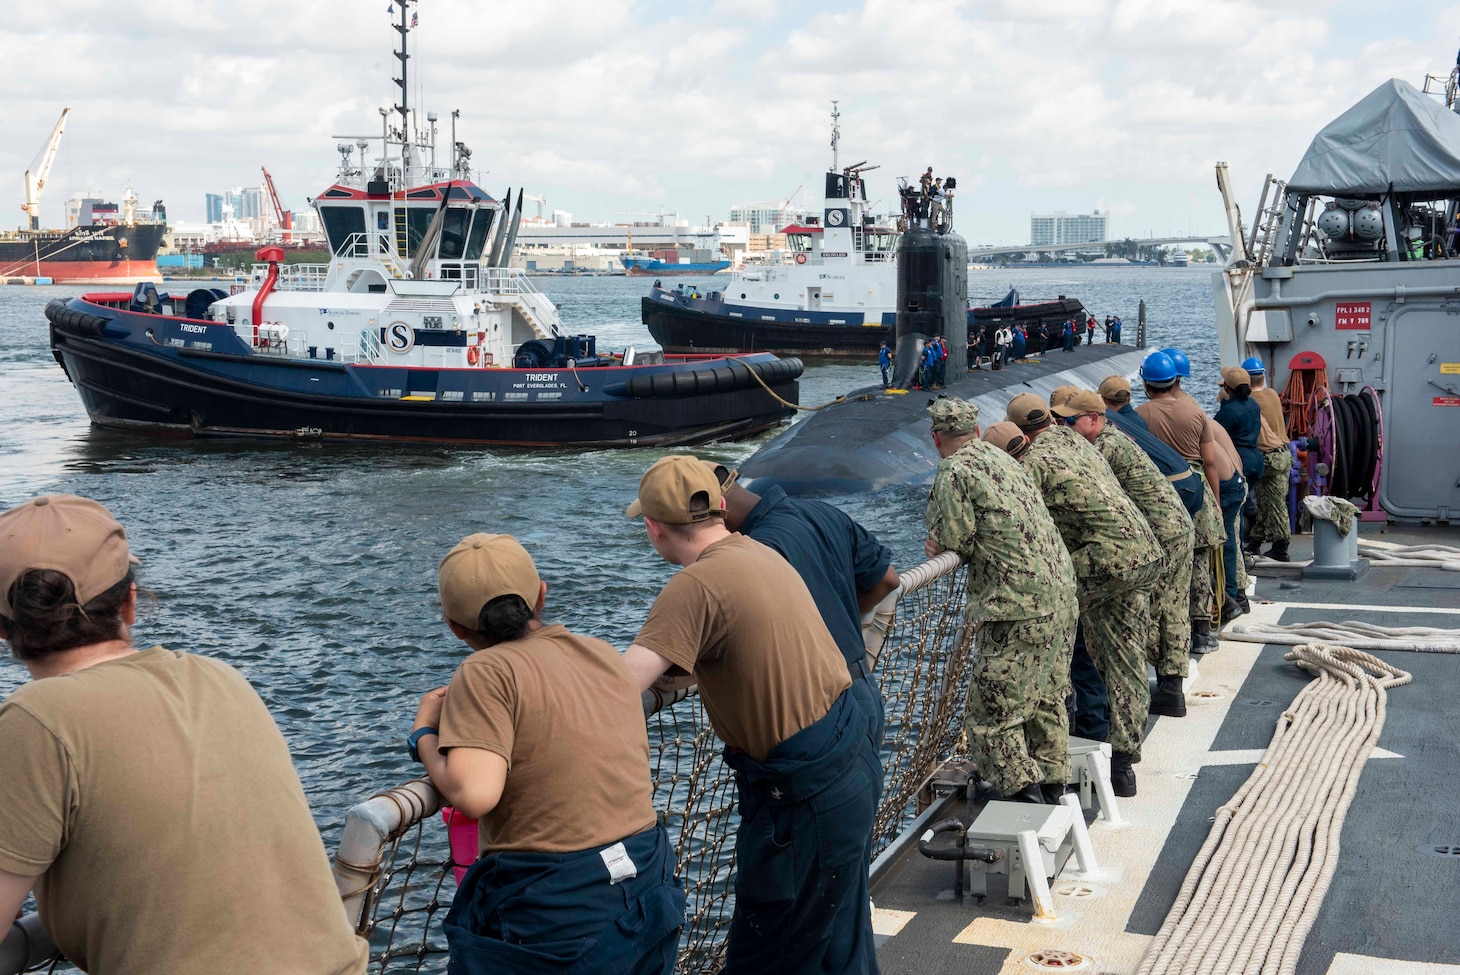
[404, 107]
[836, 134]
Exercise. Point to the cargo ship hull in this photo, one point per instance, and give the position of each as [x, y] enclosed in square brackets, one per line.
[85, 255]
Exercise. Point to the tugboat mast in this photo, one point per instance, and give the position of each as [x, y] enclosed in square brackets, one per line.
[836, 134]
[404, 107]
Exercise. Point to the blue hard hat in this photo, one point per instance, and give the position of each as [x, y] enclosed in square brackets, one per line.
[1180, 361]
[1253, 365]
[1158, 368]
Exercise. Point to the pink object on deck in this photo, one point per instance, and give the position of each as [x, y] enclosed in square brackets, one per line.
[463, 835]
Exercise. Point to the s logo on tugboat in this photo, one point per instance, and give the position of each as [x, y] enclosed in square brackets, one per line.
[400, 337]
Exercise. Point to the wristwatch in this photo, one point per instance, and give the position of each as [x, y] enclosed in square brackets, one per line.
[413, 741]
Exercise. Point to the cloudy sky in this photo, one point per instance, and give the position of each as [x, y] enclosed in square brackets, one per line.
[612, 109]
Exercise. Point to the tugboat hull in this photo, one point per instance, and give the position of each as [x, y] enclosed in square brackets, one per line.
[146, 372]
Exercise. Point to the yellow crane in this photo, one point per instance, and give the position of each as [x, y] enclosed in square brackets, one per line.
[40, 168]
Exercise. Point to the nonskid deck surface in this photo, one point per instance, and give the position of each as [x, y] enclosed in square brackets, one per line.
[1395, 897]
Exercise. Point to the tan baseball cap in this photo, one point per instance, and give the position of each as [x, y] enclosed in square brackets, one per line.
[68, 534]
[952, 415]
[1234, 376]
[727, 476]
[1060, 394]
[1078, 402]
[479, 569]
[1007, 437]
[1027, 410]
[668, 487]
[1115, 389]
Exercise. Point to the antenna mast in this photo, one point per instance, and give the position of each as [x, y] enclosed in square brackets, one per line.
[404, 107]
[836, 134]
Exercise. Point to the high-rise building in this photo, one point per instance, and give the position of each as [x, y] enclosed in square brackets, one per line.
[764, 218]
[1050, 229]
[252, 205]
[214, 207]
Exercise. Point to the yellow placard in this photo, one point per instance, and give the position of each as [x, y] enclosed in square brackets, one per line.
[1450, 368]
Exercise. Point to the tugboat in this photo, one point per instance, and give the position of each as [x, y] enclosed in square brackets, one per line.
[837, 297]
[416, 330]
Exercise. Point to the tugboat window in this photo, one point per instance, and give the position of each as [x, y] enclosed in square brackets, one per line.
[478, 240]
[453, 234]
[340, 223]
[415, 220]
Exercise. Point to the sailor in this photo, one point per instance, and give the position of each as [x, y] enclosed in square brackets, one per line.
[1168, 647]
[1183, 372]
[1070, 335]
[884, 362]
[927, 376]
[1090, 330]
[1108, 326]
[1020, 597]
[942, 363]
[1018, 342]
[542, 741]
[926, 180]
[1115, 329]
[1271, 522]
[845, 568]
[937, 196]
[149, 799]
[1117, 560]
[1241, 416]
[1181, 425]
[740, 623]
[1189, 485]
[1115, 391]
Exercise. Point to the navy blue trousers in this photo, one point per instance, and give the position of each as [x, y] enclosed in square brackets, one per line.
[806, 815]
[555, 913]
[1233, 493]
[1092, 701]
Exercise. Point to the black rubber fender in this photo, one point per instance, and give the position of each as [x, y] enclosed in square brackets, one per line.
[69, 319]
[719, 376]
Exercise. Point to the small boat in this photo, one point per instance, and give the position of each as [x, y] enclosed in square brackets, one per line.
[836, 295]
[416, 330]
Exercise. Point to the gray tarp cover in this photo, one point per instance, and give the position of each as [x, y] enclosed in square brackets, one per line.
[1397, 137]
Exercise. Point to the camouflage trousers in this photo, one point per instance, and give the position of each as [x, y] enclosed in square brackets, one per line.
[1168, 647]
[1271, 524]
[1116, 615]
[1018, 729]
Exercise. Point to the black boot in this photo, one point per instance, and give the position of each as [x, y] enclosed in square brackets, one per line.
[1052, 792]
[1168, 699]
[1122, 776]
[1245, 602]
[1279, 551]
[1203, 640]
[1030, 793]
[1231, 609]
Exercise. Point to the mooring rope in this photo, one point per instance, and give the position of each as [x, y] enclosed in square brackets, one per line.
[1393, 555]
[1350, 633]
[1255, 887]
[778, 398]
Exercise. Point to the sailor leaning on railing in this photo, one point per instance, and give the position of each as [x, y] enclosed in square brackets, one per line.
[147, 794]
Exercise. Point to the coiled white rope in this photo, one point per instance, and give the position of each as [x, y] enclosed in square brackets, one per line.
[1350, 633]
[1255, 887]
[1393, 555]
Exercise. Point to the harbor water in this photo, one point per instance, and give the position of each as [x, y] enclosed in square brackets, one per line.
[311, 568]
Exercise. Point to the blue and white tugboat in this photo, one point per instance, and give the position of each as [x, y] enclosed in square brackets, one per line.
[416, 330]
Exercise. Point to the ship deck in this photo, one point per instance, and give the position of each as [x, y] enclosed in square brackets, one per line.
[1395, 897]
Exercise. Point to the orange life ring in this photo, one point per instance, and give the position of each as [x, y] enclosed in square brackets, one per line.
[800, 258]
[473, 355]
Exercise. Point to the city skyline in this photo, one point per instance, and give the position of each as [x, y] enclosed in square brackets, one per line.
[612, 112]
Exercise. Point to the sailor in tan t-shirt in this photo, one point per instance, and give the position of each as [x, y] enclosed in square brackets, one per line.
[147, 797]
[542, 740]
[740, 620]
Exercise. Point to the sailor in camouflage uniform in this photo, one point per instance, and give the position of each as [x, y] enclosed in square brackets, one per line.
[1117, 561]
[1021, 599]
[1168, 648]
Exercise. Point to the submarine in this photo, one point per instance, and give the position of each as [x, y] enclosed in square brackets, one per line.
[878, 438]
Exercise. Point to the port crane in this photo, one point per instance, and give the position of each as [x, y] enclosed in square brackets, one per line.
[538, 200]
[283, 218]
[40, 168]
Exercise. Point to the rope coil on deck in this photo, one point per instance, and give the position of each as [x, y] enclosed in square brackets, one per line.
[1258, 882]
[1350, 633]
